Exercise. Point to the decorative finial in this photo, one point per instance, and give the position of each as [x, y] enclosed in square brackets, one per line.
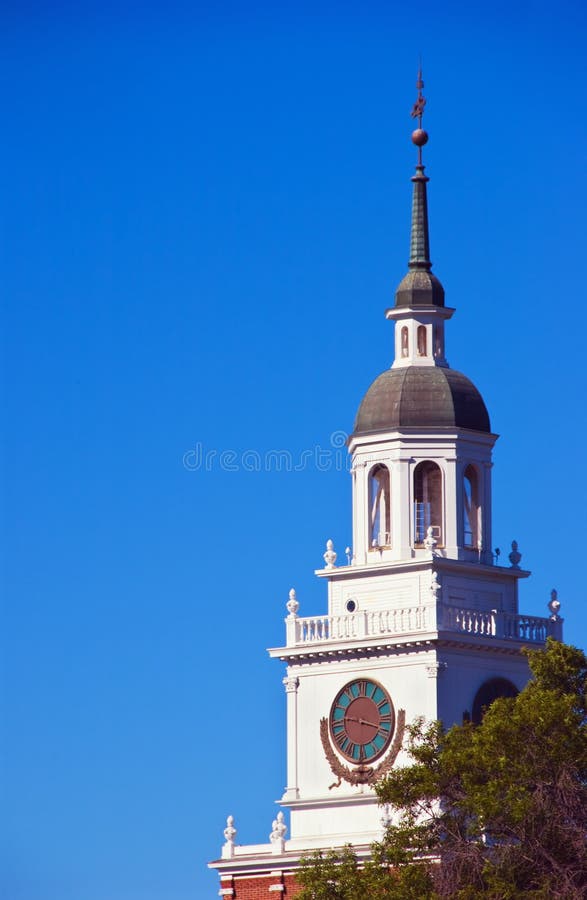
[554, 604]
[292, 604]
[230, 830]
[229, 836]
[330, 555]
[430, 541]
[435, 586]
[419, 136]
[515, 556]
[277, 836]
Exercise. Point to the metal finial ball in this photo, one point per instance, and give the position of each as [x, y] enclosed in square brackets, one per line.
[419, 137]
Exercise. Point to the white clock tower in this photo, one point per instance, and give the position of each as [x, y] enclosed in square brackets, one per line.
[421, 619]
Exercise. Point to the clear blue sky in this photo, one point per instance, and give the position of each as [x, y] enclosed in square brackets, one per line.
[206, 211]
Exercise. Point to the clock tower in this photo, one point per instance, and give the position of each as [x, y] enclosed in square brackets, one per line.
[421, 620]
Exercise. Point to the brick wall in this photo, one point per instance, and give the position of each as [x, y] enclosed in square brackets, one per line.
[258, 887]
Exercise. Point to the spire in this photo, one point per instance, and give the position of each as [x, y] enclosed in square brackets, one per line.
[419, 243]
[419, 287]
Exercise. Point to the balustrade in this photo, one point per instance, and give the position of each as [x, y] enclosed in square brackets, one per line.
[414, 619]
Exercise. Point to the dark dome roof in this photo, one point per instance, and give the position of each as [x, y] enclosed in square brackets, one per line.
[422, 396]
[419, 288]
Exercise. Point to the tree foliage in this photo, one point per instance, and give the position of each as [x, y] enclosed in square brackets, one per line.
[339, 875]
[496, 810]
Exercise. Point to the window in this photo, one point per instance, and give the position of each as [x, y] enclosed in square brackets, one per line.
[422, 340]
[379, 507]
[405, 345]
[427, 501]
[488, 692]
[471, 510]
[437, 341]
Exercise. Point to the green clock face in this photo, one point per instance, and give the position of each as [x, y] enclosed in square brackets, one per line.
[362, 720]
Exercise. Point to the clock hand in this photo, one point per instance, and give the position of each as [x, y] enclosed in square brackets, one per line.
[361, 721]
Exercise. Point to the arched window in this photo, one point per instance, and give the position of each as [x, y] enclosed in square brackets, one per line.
[379, 507]
[422, 340]
[427, 501]
[405, 339]
[488, 692]
[437, 340]
[471, 508]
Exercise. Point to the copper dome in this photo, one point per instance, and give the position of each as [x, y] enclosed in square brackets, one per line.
[422, 397]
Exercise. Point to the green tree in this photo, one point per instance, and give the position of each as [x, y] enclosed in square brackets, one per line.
[497, 810]
[340, 875]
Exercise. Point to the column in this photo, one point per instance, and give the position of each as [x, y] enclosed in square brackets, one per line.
[291, 684]
[452, 507]
[401, 509]
[360, 507]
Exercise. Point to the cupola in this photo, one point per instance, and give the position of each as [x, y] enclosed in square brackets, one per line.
[422, 438]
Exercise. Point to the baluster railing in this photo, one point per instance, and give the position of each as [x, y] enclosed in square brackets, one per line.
[410, 619]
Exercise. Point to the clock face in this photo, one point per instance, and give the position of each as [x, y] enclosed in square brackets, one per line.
[362, 720]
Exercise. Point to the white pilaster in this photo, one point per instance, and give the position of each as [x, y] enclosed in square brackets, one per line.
[360, 511]
[486, 518]
[291, 689]
[402, 503]
[451, 507]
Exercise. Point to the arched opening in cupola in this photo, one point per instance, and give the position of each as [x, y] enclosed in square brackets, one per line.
[405, 342]
[422, 341]
[427, 502]
[437, 333]
[471, 508]
[379, 507]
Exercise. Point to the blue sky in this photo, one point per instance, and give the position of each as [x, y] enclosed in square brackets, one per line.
[206, 211]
